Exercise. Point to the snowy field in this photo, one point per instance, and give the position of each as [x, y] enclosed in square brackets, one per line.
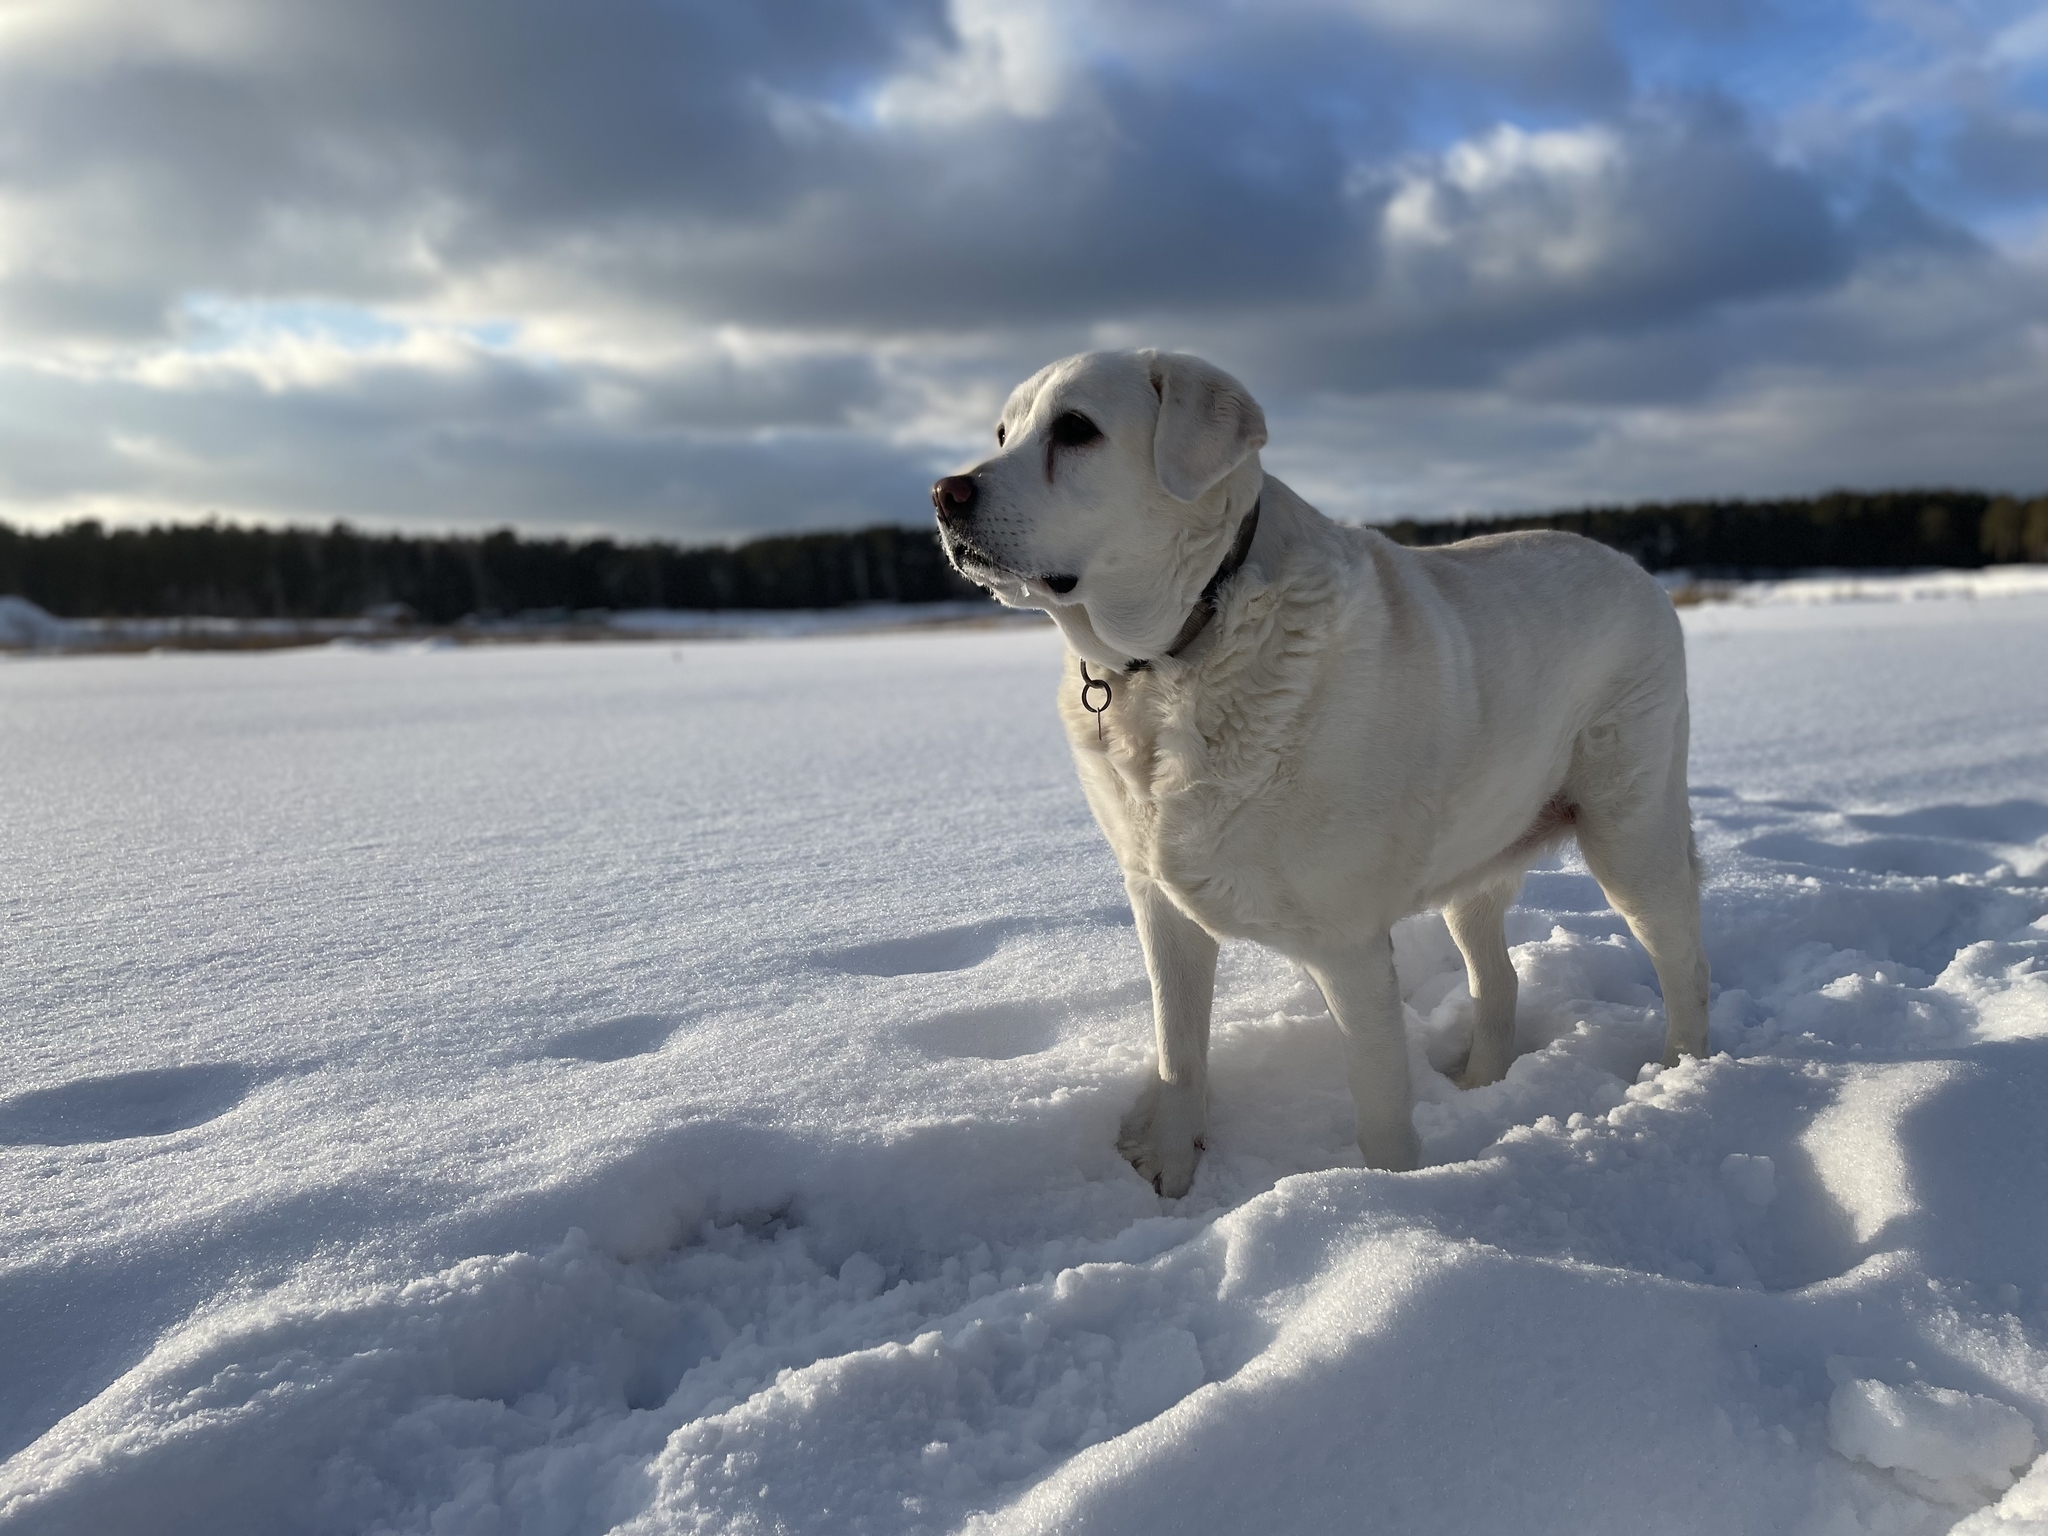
[26, 627]
[672, 1088]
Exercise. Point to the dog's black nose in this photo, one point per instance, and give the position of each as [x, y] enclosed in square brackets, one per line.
[954, 497]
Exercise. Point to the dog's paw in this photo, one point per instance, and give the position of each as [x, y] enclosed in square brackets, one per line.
[1476, 1074]
[1161, 1137]
[1394, 1148]
[1486, 1061]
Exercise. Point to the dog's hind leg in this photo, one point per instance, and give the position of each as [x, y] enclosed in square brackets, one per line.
[1476, 921]
[1636, 835]
[1162, 1134]
[1365, 999]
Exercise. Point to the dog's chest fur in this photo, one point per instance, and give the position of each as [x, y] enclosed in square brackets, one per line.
[1189, 770]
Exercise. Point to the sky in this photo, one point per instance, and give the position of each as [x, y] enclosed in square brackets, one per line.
[705, 270]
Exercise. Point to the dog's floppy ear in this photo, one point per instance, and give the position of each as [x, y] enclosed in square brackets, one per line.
[1208, 422]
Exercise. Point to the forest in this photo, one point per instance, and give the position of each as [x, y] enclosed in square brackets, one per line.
[86, 570]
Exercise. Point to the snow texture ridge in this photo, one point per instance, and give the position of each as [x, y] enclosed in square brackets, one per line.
[1952, 1446]
[664, 1088]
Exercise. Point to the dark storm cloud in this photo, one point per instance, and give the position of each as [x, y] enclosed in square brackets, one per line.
[722, 160]
[1518, 242]
[664, 265]
[364, 150]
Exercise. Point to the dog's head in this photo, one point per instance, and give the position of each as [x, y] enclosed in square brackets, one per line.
[1118, 485]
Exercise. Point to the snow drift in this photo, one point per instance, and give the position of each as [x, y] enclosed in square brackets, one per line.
[672, 1088]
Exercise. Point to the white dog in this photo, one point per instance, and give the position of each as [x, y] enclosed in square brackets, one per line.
[1299, 733]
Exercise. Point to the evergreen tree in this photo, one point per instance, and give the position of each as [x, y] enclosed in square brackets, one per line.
[217, 570]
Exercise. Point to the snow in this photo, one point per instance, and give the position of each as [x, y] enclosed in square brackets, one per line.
[1952, 1446]
[859, 618]
[25, 625]
[1869, 586]
[672, 1087]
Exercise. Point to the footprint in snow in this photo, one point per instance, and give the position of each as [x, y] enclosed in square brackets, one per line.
[998, 1032]
[614, 1040]
[943, 949]
[952, 949]
[2009, 822]
[1925, 857]
[124, 1106]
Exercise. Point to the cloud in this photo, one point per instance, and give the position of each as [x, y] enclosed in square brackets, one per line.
[1516, 240]
[445, 431]
[706, 269]
[1924, 368]
[1622, 221]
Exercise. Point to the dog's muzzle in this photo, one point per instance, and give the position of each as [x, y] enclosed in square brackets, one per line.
[953, 499]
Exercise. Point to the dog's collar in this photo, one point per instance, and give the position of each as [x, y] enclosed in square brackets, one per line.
[1198, 618]
[1205, 605]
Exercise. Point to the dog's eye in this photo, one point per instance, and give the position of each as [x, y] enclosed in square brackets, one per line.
[1001, 433]
[1073, 429]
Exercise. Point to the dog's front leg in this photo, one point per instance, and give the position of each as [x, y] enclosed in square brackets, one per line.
[1359, 985]
[1162, 1134]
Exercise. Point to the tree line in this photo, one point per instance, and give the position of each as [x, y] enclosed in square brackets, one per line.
[1844, 530]
[215, 569]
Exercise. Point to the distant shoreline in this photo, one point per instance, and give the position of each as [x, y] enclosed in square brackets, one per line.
[26, 630]
[466, 584]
